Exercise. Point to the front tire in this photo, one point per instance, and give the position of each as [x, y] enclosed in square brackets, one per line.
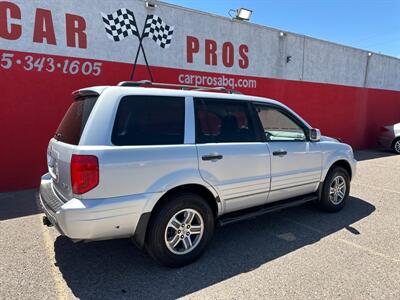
[335, 190]
[180, 230]
[396, 146]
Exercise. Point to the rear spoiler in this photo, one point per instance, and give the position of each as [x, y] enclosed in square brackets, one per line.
[93, 91]
[84, 93]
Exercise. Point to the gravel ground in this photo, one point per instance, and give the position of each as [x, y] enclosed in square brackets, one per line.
[294, 254]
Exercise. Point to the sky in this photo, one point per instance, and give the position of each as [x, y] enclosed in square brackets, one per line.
[373, 25]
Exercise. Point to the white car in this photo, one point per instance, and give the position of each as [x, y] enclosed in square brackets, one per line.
[390, 137]
[164, 166]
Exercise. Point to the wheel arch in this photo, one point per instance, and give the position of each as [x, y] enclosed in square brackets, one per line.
[209, 196]
[343, 164]
[339, 163]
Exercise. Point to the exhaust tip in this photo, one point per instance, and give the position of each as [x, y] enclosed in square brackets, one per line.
[46, 221]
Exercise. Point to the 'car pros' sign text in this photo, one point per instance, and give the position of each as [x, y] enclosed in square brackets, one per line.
[83, 36]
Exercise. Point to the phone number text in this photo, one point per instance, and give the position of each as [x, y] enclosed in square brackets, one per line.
[50, 64]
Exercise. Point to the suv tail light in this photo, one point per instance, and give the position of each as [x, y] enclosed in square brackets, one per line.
[84, 173]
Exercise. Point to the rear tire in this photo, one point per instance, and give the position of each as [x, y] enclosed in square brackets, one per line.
[396, 146]
[335, 190]
[180, 230]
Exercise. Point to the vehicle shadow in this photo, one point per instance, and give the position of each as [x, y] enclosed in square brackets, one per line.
[18, 204]
[361, 155]
[117, 269]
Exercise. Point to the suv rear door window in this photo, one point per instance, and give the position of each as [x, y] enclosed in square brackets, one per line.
[71, 127]
[149, 120]
[223, 121]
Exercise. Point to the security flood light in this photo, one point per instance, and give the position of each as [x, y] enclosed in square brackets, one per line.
[151, 4]
[242, 14]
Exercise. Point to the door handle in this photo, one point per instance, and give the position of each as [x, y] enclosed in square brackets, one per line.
[279, 153]
[212, 156]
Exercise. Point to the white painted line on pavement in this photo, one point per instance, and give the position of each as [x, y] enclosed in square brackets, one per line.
[365, 249]
[375, 187]
[373, 252]
[378, 165]
[61, 288]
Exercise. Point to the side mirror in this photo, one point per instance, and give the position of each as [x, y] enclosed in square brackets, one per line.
[315, 135]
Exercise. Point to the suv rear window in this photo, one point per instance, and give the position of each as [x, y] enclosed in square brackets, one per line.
[149, 120]
[71, 127]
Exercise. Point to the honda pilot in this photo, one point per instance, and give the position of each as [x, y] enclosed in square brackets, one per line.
[164, 166]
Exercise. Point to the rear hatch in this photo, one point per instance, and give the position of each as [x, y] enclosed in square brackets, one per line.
[65, 140]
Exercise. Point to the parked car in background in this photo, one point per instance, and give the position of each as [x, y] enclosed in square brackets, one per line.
[164, 166]
[390, 137]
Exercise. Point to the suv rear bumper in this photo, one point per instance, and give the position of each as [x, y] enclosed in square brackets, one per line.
[92, 219]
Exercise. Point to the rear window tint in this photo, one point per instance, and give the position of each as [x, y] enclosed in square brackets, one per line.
[71, 127]
[149, 120]
[223, 121]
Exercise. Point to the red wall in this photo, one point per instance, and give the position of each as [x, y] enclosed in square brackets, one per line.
[34, 102]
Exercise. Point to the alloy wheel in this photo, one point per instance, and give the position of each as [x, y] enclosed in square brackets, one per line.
[337, 190]
[397, 146]
[184, 231]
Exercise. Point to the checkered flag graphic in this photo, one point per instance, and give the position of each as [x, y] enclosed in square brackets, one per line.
[160, 32]
[120, 24]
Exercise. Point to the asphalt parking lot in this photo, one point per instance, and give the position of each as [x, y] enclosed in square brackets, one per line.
[298, 253]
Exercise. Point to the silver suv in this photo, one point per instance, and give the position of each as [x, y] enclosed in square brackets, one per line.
[165, 166]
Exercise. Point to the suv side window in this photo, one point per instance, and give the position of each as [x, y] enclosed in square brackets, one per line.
[149, 120]
[278, 126]
[223, 121]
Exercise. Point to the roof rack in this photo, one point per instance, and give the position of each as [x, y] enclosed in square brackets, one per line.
[142, 83]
